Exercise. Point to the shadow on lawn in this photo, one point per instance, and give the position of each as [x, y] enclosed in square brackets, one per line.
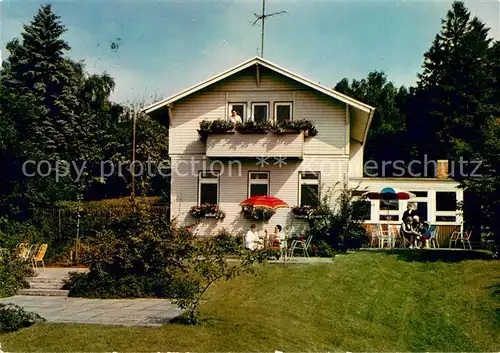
[444, 255]
[495, 293]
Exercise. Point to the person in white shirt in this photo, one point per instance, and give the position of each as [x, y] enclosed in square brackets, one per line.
[252, 240]
[235, 118]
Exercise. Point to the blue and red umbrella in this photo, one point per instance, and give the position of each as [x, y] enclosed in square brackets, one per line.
[390, 194]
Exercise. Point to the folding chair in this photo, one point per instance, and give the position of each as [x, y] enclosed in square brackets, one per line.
[374, 232]
[301, 244]
[38, 257]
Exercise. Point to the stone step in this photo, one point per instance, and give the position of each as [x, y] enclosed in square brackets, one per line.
[45, 280]
[46, 285]
[44, 292]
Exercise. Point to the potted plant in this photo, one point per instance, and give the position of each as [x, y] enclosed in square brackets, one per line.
[207, 210]
[286, 126]
[304, 211]
[261, 127]
[257, 213]
[219, 126]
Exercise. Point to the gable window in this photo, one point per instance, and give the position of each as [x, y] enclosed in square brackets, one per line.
[282, 112]
[208, 188]
[241, 109]
[309, 186]
[260, 112]
[258, 184]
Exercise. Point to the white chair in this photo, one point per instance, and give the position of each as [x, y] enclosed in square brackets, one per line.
[301, 244]
[434, 234]
[385, 236]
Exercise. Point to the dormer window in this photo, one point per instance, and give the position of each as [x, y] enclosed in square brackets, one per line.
[282, 112]
[260, 112]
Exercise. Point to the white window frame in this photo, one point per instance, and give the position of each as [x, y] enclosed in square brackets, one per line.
[446, 213]
[213, 180]
[244, 104]
[261, 103]
[276, 104]
[309, 182]
[258, 181]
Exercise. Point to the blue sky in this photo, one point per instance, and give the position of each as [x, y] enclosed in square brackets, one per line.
[167, 46]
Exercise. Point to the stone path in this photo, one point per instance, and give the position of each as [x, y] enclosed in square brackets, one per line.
[127, 312]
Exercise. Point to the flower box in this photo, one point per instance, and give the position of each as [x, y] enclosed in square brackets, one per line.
[207, 211]
[257, 213]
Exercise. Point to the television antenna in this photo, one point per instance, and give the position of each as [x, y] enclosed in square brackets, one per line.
[262, 18]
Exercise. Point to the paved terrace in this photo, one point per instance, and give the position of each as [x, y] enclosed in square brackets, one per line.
[127, 312]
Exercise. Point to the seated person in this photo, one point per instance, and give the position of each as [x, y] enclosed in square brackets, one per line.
[409, 232]
[252, 239]
[277, 238]
[426, 234]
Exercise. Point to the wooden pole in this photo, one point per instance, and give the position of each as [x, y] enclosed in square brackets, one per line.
[133, 155]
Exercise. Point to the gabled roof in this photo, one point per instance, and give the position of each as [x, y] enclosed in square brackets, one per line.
[362, 108]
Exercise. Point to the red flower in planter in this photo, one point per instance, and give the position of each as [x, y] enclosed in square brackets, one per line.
[188, 230]
[314, 247]
[302, 239]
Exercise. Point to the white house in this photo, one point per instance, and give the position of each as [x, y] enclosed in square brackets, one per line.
[228, 168]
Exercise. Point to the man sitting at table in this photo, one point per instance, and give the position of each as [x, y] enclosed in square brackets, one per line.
[252, 239]
[276, 237]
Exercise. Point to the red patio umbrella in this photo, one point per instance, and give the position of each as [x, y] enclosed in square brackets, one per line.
[265, 202]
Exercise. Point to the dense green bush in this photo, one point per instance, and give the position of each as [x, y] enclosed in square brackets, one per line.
[13, 274]
[13, 318]
[12, 233]
[132, 257]
[228, 243]
[339, 224]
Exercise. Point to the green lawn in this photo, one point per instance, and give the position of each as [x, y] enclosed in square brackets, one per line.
[366, 301]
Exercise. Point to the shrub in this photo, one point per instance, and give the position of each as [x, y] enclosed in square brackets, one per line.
[13, 232]
[13, 318]
[13, 274]
[341, 227]
[132, 257]
[228, 243]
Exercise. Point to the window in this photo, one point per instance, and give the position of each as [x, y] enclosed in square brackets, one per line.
[309, 183]
[260, 112]
[446, 201]
[241, 109]
[422, 210]
[282, 112]
[258, 184]
[208, 188]
[389, 205]
[419, 193]
[366, 211]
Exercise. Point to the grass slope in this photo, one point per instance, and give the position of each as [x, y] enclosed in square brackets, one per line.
[362, 302]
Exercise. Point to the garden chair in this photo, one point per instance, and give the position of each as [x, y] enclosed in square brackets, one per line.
[39, 255]
[374, 235]
[301, 244]
[385, 235]
[466, 239]
[434, 231]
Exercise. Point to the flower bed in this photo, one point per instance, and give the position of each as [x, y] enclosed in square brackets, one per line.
[257, 213]
[207, 211]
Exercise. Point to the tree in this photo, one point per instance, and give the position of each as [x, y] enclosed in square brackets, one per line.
[454, 113]
[388, 125]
